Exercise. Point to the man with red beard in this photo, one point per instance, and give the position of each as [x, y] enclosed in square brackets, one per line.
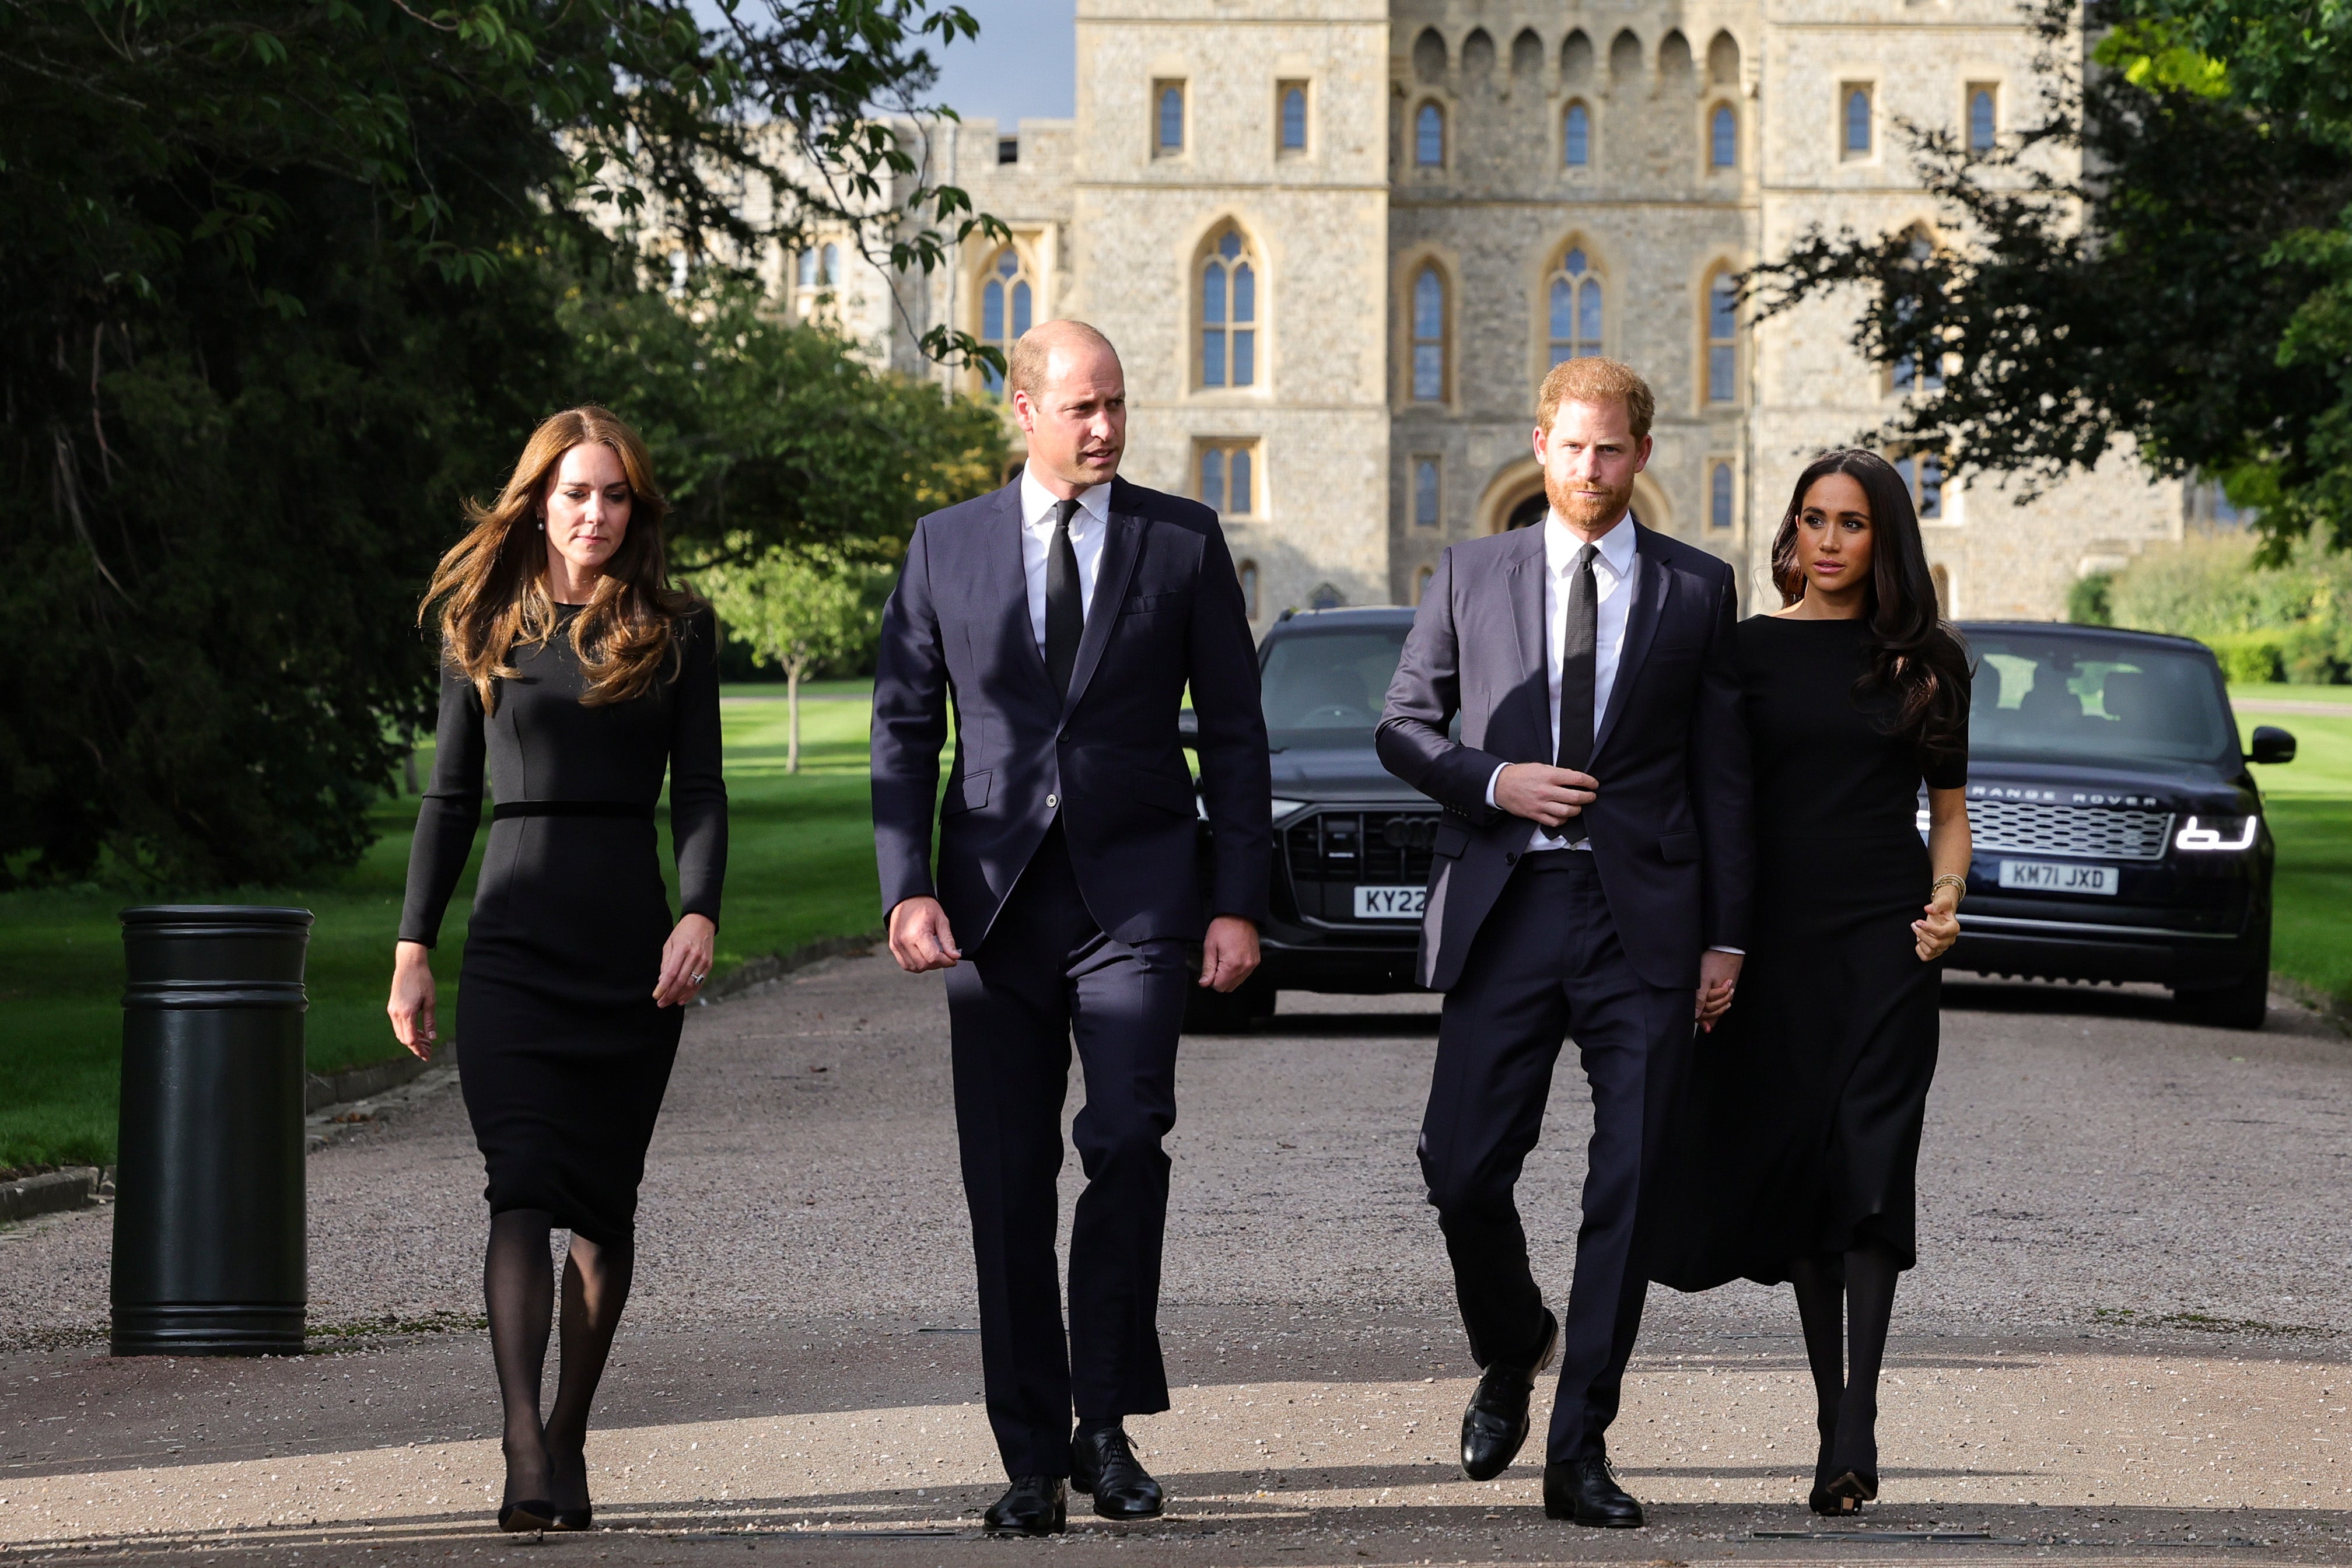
[1591, 876]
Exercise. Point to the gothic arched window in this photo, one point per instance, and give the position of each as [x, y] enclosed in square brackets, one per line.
[1429, 335]
[1294, 116]
[829, 270]
[1981, 125]
[1723, 138]
[1856, 129]
[1229, 312]
[1719, 496]
[1722, 339]
[1429, 137]
[1168, 136]
[1005, 307]
[1575, 302]
[1576, 136]
[808, 269]
[1247, 572]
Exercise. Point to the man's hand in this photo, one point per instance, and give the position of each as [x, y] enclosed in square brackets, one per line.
[1718, 976]
[1229, 952]
[919, 938]
[1542, 794]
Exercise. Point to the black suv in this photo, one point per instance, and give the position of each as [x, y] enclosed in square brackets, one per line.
[2118, 833]
[1350, 839]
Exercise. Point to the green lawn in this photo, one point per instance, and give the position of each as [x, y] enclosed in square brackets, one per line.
[2310, 808]
[800, 867]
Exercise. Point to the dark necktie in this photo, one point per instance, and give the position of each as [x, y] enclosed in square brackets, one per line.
[1066, 613]
[1579, 639]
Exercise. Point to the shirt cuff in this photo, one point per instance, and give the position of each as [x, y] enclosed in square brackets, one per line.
[1491, 779]
[1735, 951]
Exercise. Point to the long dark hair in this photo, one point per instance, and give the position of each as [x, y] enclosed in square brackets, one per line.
[1913, 652]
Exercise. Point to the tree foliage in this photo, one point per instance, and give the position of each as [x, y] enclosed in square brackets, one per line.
[279, 280]
[2188, 292]
[798, 610]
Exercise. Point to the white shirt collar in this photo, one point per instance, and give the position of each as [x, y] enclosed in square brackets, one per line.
[1616, 545]
[1038, 503]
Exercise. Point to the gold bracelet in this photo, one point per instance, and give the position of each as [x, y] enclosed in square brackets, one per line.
[1960, 886]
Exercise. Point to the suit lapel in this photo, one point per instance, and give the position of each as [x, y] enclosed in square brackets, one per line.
[1004, 582]
[1122, 544]
[1524, 579]
[1652, 583]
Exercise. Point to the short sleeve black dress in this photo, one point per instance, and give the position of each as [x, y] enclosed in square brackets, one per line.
[563, 1055]
[1801, 1134]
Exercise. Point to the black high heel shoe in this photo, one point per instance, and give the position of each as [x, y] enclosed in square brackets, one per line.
[1852, 1490]
[1820, 1499]
[526, 1517]
[572, 1518]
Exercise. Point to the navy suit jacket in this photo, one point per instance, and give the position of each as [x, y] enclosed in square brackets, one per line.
[1166, 613]
[1670, 824]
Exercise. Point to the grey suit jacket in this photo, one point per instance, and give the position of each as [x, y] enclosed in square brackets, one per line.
[1671, 827]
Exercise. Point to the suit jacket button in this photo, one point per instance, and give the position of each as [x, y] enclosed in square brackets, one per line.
[1512, 859]
[1053, 801]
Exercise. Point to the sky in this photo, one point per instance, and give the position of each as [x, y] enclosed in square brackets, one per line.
[1023, 62]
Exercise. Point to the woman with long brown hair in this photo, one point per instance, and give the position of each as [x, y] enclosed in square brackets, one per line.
[580, 676]
[1795, 1155]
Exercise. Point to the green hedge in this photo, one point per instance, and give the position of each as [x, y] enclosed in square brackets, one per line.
[2291, 621]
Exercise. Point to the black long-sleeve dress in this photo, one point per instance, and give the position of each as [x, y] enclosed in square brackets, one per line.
[1800, 1134]
[563, 1055]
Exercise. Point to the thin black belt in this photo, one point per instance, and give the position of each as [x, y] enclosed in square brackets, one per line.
[507, 808]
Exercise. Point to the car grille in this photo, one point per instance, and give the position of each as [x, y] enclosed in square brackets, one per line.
[1376, 847]
[2032, 827]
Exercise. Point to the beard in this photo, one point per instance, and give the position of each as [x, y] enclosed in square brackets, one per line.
[1587, 508]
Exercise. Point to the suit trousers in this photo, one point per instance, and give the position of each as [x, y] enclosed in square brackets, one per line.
[1046, 975]
[1546, 963]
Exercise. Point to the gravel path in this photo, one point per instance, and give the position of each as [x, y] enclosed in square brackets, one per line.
[2128, 1327]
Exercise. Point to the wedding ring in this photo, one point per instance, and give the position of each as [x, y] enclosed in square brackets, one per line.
[697, 980]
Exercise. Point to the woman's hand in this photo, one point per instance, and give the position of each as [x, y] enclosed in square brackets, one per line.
[1936, 934]
[686, 962]
[412, 999]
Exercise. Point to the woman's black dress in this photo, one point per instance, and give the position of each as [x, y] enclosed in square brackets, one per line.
[563, 1055]
[1801, 1134]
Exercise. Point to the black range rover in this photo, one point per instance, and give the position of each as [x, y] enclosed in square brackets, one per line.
[2118, 833]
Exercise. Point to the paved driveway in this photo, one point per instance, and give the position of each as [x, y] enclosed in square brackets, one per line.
[2127, 1334]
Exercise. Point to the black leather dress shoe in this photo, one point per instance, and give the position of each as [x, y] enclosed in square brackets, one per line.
[1104, 1463]
[1036, 1505]
[1495, 1423]
[1586, 1491]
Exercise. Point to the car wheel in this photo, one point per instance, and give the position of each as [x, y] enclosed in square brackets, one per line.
[2242, 1005]
[1233, 1012]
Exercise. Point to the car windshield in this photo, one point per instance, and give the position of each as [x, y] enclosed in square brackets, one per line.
[2069, 698]
[1325, 688]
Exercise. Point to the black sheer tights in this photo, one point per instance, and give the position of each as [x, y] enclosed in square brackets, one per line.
[545, 1461]
[1846, 1303]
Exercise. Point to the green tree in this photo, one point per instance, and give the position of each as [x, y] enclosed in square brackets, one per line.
[281, 280]
[2189, 293]
[799, 611]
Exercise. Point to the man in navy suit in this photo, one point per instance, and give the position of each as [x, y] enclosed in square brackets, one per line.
[1591, 876]
[1064, 616]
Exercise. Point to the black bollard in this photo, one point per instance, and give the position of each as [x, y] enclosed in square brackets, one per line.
[209, 1231]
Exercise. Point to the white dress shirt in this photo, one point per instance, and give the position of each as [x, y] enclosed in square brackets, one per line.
[1613, 582]
[1089, 525]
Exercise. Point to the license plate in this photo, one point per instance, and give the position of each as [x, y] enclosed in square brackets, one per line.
[2057, 877]
[1389, 903]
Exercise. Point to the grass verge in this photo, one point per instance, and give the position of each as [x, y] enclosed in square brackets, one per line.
[2309, 802]
[800, 867]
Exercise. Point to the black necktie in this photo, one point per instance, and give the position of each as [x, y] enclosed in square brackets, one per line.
[1066, 613]
[1579, 638]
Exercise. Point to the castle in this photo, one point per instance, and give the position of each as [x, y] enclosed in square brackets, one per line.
[1338, 244]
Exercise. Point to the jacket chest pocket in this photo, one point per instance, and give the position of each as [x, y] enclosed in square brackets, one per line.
[1153, 603]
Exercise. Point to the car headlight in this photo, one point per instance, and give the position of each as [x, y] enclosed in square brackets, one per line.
[1285, 807]
[2227, 833]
